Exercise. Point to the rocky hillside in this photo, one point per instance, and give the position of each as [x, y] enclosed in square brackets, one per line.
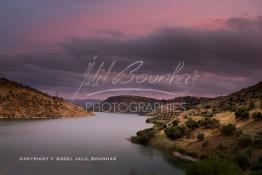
[227, 127]
[19, 101]
[249, 97]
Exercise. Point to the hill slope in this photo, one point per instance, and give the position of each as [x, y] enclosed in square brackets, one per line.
[227, 127]
[19, 101]
[249, 97]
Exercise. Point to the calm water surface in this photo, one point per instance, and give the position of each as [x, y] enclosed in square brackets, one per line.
[103, 135]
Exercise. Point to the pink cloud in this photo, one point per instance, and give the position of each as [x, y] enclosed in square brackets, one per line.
[136, 18]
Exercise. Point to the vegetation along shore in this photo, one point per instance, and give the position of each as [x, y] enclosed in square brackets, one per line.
[222, 135]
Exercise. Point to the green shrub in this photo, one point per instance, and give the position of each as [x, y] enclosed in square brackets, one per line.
[181, 150]
[257, 116]
[256, 166]
[256, 172]
[205, 143]
[260, 134]
[192, 124]
[160, 126]
[257, 140]
[251, 105]
[228, 129]
[149, 132]
[249, 152]
[242, 159]
[221, 146]
[242, 114]
[238, 132]
[192, 154]
[174, 147]
[203, 156]
[175, 122]
[200, 137]
[175, 132]
[209, 123]
[150, 120]
[244, 140]
[139, 140]
[207, 107]
[207, 114]
[144, 136]
[213, 167]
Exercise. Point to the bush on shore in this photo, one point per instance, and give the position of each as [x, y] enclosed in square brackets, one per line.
[143, 137]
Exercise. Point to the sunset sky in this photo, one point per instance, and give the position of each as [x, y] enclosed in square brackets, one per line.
[48, 44]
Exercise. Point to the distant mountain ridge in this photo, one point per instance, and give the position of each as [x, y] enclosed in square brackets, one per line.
[20, 101]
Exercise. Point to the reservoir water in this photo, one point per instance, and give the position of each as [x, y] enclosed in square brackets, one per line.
[73, 142]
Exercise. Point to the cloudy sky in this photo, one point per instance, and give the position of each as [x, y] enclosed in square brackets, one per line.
[49, 44]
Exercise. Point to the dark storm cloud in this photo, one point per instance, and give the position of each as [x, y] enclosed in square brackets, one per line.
[245, 23]
[228, 58]
[234, 50]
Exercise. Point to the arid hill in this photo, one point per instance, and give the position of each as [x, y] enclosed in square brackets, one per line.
[249, 97]
[227, 127]
[19, 101]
